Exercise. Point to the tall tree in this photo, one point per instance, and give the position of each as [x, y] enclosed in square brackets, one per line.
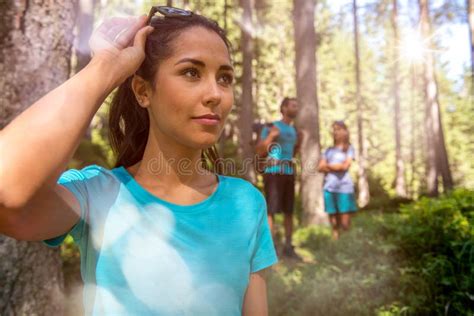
[412, 131]
[470, 18]
[308, 117]
[246, 107]
[35, 52]
[84, 24]
[437, 155]
[400, 189]
[363, 183]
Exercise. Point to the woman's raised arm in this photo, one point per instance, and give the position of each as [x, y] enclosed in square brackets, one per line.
[36, 146]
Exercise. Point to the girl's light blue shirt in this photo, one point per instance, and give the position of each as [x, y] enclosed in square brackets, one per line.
[338, 181]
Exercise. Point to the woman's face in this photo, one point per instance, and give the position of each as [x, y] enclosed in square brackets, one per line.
[193, 91]
[338, 132]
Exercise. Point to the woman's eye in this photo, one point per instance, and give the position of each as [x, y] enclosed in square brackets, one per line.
[226, 79]
[191, 73]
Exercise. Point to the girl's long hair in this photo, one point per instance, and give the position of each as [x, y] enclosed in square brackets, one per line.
[345, 137]
[128, 121]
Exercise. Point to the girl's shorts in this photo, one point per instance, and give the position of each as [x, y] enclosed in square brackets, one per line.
[335, 202]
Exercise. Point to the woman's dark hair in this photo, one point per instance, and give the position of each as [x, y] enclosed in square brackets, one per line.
[345, 140]
[128, 121]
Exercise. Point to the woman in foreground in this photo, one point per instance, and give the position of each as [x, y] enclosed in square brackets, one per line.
[161, 233]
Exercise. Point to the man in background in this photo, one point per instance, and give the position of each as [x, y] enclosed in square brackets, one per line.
[279, 142]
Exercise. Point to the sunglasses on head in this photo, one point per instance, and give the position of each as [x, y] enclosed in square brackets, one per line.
[168, 12]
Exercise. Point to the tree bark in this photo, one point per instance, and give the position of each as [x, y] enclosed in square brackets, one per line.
[84, 26]
[31, 279]
[246, 148]
[400, 189]
[470, 18]
[363, 184]
[85, 23]
[413, 131]
[35, 51]
[437, 163]
[308, 116]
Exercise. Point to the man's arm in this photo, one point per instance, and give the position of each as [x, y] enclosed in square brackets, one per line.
[299, 140]
[262, 146]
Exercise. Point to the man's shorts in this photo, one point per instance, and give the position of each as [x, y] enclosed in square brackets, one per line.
[279, 192]
[335, 202]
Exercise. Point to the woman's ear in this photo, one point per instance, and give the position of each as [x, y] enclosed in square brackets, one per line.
[142, 91]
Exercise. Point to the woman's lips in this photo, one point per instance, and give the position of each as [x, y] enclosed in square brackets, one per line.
[207, 119]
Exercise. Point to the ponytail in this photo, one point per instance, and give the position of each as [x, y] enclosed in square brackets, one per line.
[128, 126]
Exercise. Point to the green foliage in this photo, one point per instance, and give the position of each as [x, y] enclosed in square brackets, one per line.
[89, 153]
[419, 261]
[437, 237]
[69, 252]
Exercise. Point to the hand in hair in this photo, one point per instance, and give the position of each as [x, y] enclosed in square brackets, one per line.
[121, 42]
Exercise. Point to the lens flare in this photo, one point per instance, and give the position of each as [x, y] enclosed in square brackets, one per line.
[412, 47]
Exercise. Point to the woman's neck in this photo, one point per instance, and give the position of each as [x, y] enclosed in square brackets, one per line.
[170, 163]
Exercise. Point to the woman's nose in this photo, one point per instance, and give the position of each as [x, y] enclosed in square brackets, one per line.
[212, 94]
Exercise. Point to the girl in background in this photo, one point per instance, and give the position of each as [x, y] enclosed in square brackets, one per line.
[339, 200]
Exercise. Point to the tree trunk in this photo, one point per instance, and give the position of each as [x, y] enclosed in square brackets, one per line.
[363, 184]
[35, 51]
[400, 189]
[85, 23]
[470, 18]
[222, 139]
[31, 279]
[226, 7]
[246, 107]
[437, 163]
[413, 129]
[84, 26]
[308, 116]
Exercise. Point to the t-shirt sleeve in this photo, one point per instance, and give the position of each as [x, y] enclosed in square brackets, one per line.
[264, 254]
[351, 152]
[75, 181]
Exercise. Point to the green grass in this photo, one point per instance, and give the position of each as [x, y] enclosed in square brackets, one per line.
[356, 275]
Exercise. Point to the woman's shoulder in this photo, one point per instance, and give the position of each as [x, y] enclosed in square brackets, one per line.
[329, 149]
[241, 186]
[244, 197]
[87, 173]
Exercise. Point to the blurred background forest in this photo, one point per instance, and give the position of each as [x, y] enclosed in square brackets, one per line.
[400, 73]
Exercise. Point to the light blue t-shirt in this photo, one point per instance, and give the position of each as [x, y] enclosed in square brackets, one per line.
[284, 149]
[141, 255]
[338, 181]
